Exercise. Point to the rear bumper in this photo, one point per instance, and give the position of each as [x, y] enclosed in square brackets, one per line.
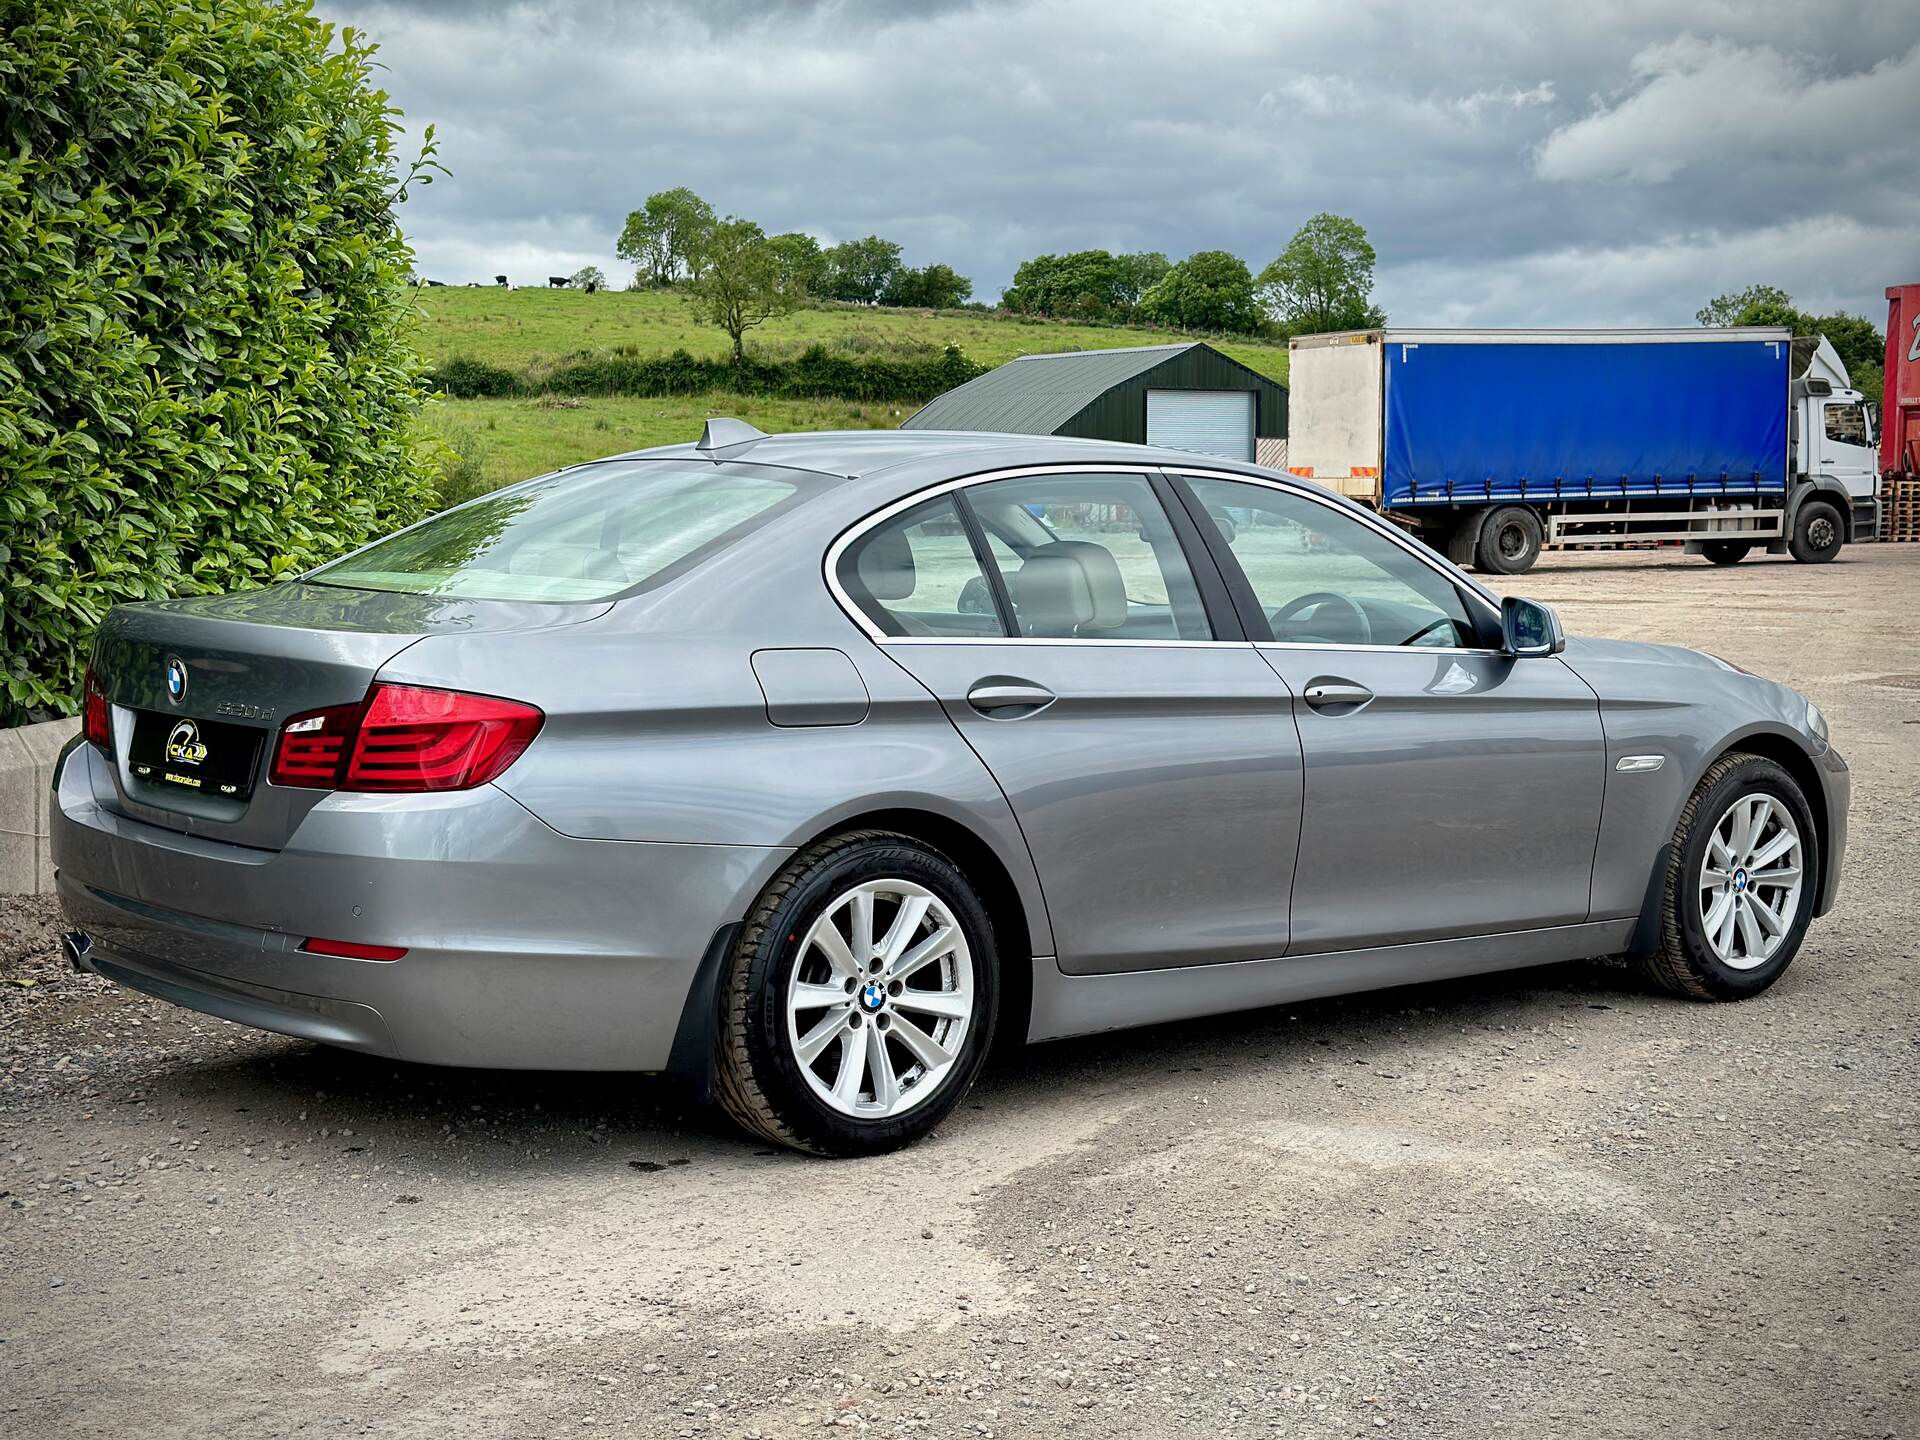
[526, 949]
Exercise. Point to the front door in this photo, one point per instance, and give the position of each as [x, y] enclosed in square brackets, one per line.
[1847, 452]
[1450, 790]
[1153, 766]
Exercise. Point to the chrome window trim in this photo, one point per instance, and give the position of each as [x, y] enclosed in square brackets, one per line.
[831, 567]
[1061, 640]
[1436, 563]
[853, 532]
[1382, 649]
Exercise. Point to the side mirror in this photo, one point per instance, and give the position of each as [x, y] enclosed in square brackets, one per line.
[1529, 628]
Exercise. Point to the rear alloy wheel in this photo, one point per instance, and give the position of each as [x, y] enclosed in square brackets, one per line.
[1740, 882]
[1818, 533]
[1509, 541]
[1726, 552]
[861, 998]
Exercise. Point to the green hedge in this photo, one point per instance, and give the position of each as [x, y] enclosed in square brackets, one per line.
[815, 372]
[206, 380]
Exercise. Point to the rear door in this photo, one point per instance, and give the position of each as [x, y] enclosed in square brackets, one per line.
[1147, 750]
[1450, 790]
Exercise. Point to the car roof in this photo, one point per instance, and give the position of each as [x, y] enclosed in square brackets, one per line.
[856, 454]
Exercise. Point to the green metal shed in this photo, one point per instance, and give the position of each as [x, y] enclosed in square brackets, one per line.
[1186, 397]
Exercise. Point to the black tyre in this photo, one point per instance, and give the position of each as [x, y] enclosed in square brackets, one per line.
[1726, 552]
[1463, 538]
[1818, 533]
[860, 1000]
[1509, 541]
[1740, 883]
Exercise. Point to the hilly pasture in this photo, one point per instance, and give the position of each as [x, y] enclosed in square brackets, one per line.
[495, 442]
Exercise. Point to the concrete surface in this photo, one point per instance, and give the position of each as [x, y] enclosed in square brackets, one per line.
[27, 753]
[1551, 1204]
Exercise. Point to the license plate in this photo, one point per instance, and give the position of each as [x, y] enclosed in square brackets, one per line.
[204, 756]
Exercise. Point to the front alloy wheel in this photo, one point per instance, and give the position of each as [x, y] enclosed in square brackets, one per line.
[1750, 881]
[1740, 882]
[860, 1000]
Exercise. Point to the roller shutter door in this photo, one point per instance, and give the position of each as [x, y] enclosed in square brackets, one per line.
[1207, 422]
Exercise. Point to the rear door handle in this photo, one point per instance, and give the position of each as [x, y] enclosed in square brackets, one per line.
[998, 696]
[1334, 694]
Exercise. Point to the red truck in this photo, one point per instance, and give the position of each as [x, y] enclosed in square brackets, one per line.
[1900, 412]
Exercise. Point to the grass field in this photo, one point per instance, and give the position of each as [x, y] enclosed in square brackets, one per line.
[508, 440]
[517, 328]
[513, 439]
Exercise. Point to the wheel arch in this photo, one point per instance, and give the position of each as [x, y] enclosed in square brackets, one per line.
[1786, 751]
[1790, 754]
[1827, 491]
[1019, 932]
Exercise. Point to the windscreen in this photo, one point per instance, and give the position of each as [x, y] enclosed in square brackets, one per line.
[589, 533]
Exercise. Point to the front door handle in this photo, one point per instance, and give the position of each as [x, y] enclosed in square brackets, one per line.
[999, 696]
[1336, 694]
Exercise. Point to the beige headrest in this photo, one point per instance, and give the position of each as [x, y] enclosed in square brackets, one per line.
[1069, 588]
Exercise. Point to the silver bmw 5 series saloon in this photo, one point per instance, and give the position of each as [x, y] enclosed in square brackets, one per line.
[801, 765]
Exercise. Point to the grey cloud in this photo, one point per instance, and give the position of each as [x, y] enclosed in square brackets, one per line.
[1540, 163]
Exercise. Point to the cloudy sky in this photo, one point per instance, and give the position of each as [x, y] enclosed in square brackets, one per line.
[1596, 162]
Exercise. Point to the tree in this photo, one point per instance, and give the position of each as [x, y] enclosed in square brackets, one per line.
[589, 278]
[937, 287]
[207, 374]
[1135, 275]
[1725, 310]
[740, 283]
[665, 236]
[1861, 346]
[1085, 285]
[861, 269]
[1209, 290]
[802, 261]
[1323, 280]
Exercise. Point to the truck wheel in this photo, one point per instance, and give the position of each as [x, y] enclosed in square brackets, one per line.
[1726, 552]
[1509, 541]
[1818, 533]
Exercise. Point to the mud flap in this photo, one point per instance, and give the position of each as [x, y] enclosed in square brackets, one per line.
[691, 1059]
[1646, 931]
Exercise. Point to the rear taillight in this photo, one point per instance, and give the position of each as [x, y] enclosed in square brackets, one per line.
[96, 718]
[404, 738]
[313, 747]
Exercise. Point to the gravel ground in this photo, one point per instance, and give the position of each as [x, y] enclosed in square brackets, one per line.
[1539, 1205]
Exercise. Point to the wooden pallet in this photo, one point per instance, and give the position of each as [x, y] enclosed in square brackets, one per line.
[1900, 509]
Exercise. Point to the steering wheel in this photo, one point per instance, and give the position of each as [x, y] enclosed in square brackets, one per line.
[1316, 598]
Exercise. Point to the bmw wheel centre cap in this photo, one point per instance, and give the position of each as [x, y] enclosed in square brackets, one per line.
[176, 679]
[873, 996]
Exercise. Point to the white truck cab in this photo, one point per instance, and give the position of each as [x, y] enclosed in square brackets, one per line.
[1835, 449]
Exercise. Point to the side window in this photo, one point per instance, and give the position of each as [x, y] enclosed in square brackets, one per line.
[916, 575]
[1089, 557]
[1846, 424]
[1327, 578]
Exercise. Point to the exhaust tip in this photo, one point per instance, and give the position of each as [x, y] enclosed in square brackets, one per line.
[77, 944]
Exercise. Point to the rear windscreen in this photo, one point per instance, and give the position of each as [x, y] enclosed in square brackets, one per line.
[590, 533]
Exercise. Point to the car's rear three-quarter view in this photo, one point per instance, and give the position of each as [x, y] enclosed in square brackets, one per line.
[802, 767]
